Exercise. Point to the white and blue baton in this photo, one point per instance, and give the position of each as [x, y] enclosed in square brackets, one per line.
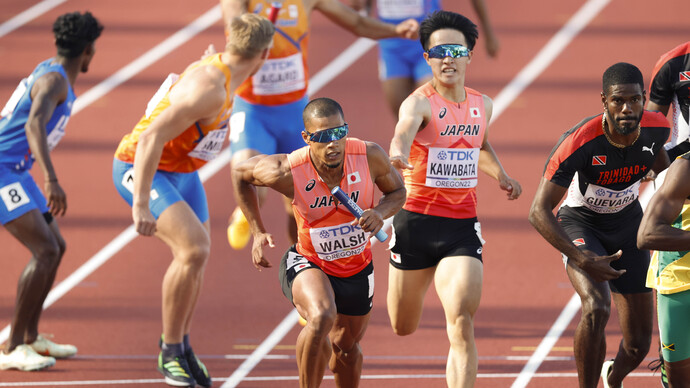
[354, 209]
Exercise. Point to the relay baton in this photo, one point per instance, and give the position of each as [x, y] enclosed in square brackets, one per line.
[274, 10]
[354, 209]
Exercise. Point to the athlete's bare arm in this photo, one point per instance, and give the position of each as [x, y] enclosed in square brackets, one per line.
[488, 160]
[389, 181]
[541, 216]
[232, 8]
[655, 230]
[490, 40]
[360, 25]
[653, 106]
[414, 114]
[271, 171]
[47, 93]
[198, 96]
[661, 162]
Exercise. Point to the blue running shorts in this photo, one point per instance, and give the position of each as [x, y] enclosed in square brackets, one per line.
[166, 189]
[402, 58]
[268, 129]
[19, 194]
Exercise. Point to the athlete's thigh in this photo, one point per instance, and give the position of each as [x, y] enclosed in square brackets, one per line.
[180, 228]
[349, 330]
[635, 315]
[674, 315]
[32, 230]
[249, 128]
[311, 291]
[406, 291]
[192, 191]
[591, 293]
[458, 282]
[397, 90]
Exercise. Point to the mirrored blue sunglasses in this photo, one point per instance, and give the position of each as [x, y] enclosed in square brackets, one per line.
[329, 135]
[448, 50]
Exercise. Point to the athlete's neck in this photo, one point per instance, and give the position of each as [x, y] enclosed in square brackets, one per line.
[72, 67]
[453, 92]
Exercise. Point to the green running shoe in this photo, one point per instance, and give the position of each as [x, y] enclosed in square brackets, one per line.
[176, 371]
[198, 369]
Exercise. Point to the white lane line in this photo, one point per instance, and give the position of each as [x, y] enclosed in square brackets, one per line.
[201, 23]
[508, 94]
[552, 49]
[547, 54]
[26, 16]
[392, 377]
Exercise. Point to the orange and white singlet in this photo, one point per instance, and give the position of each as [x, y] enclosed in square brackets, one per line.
[325, 236]
[195, 146]
[445, 157]
[284, 76]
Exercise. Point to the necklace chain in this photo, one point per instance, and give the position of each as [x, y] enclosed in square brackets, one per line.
[604, 127]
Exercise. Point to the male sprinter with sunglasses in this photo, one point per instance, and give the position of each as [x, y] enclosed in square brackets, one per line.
[328, 275]
[442, 131]
[266, 117]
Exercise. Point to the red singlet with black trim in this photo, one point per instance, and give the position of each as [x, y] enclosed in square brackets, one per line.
[325, 236]
[603, 179]
[445, 156]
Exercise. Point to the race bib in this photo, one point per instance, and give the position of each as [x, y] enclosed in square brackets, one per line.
[601, 199]
[14, 196]
[338, 241]
[400, 9]
[160, 93]
[57, 133]
[210, 145]
[280, 76]
[15, 97]
[452, 168]
[128, 183]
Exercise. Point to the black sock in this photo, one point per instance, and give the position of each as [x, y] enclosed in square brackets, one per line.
[185, 342]
[172, 350]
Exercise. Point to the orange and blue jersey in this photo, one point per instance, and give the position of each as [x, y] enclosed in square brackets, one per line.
[445, 156]
[195, 146]
[284, 76]
[325, 234]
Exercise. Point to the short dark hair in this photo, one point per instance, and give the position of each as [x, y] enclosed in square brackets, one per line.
[74, 31]
[321, 107]
[622, 73]
[440, 20]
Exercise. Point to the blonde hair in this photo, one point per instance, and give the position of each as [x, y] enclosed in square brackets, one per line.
[248, 35]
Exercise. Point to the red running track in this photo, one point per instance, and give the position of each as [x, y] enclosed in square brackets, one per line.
[113, 315]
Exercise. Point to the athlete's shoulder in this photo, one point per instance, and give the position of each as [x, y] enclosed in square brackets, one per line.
[678, 51]
[584, 131]
[299, 156]
[654, 119]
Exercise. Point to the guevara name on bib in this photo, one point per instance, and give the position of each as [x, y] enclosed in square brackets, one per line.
[602, 200]
[453, 168]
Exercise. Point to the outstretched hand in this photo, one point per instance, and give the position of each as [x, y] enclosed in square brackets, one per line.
[599, 267]
[400, 163]
[511, 186]
[408, 29]
[258, 258]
